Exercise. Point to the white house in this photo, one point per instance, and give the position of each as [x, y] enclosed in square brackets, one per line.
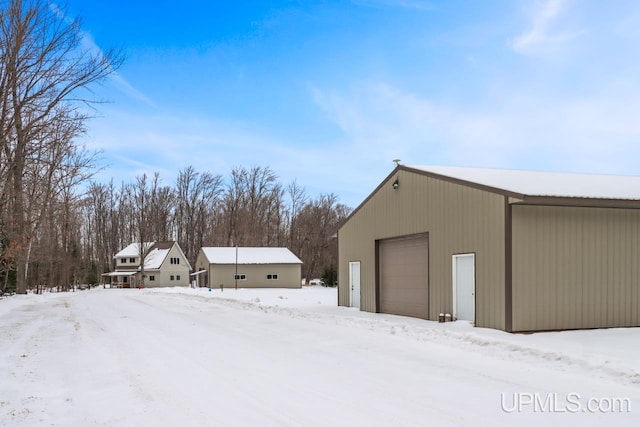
[164, 265]
[247, 268]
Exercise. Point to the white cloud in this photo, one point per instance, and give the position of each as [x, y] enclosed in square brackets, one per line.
[89, 44]
[120, 82]
[596, 134]
[141, 143]
[563, 115]
[543, 35]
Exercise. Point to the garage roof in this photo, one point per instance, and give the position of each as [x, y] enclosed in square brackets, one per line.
[544, 184]
[227, 255]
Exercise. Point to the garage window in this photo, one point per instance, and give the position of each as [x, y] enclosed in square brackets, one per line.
[272, 277]
[240, 277]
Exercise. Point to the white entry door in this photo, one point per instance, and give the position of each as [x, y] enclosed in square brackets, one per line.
[464, 287]
[354, 283]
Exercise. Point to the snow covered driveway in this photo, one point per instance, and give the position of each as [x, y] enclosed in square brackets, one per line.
[185, 357]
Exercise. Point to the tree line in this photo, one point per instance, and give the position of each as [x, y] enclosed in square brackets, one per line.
[249, 208]
[58, 228]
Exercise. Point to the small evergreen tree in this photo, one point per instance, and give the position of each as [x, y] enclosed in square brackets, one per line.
[330, 277]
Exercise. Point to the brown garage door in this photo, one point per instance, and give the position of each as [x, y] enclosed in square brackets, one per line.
[404, 276]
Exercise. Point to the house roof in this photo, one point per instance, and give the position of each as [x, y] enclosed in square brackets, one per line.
[544, 184]
[133, 250]
[227, 255]
[120, 273]
[155, 258]
[157, 252]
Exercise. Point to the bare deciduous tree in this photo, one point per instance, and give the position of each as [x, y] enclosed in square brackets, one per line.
[316, 226]
[198, 196]
[160, 210]
[43, 67]
[141, 197]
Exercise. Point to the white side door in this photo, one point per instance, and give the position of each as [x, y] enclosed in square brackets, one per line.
[464, 287]
[354, 284]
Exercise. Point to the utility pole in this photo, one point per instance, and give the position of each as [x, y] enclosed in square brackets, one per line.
[236, 276]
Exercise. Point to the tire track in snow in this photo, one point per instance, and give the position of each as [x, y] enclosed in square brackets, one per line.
[29, 332]
[434, 332]
[160, 384]
[277, 415]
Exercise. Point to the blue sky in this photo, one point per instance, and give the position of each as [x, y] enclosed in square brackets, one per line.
[329, 92]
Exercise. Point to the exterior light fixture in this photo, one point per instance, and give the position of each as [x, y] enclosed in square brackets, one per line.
[396, 184]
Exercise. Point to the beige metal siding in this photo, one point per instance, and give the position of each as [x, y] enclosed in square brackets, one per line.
[575, 267]
[202, 263]
[458, 218]
[404, 277]
[289, 275]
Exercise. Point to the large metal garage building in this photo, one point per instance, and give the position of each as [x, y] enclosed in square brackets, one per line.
[504, 249]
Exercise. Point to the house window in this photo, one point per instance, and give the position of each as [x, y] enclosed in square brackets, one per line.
[152, 278]
[175, 260]
[132, 260]
[178, 277]
[171, 277]
[240, 277]
[123, 260]
[272, 277]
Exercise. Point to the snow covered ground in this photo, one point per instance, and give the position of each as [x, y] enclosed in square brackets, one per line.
[290, 357]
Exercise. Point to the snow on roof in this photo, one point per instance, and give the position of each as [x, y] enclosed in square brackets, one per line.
[155, 257]
[553, 184]
[158, 251]
[133, 250]
[227, 255]
[120, 273]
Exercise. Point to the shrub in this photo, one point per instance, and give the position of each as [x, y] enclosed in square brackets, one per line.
[330, 277]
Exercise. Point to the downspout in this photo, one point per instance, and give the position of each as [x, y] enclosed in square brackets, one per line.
[508, 266]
